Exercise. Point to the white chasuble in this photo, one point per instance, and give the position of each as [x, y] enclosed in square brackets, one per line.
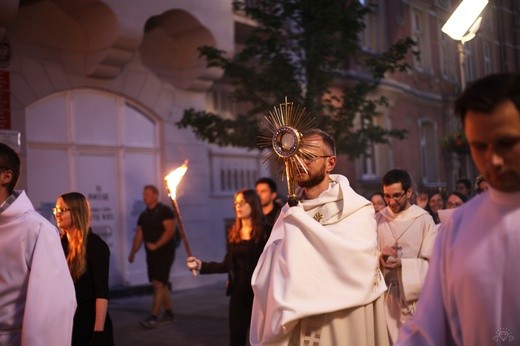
[311, 268]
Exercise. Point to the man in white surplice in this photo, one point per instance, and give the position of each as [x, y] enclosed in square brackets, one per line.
[37, 296]
[471, 292]
[318, 280]
[406, 234]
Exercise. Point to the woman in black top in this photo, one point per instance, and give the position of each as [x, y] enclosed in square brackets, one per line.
[246, 240]
[88, 260]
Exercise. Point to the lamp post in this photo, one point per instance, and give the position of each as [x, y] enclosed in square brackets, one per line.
[462, 26]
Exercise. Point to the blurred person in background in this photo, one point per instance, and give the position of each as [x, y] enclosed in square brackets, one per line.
[377, 201]
[266, 189]
[481, 185]
[463, 185]
[156, 228]
[455, 200]
[436, 202]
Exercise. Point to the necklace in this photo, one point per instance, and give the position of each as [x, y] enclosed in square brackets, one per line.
[396, 243]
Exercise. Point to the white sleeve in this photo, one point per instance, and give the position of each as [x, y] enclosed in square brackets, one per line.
[51, 298]
[429, 325]
[414, 270]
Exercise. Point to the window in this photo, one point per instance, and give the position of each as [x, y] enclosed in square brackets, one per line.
[220, 101]
[371, 38]
[420, 33]
[376, 161]
[232, 170]
[428, 148]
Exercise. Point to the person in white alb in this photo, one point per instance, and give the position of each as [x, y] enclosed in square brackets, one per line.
[406, 234]
[318, 281]
[37, 297]
[470, 296]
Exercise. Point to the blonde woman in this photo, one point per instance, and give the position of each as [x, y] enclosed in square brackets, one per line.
[88, 260]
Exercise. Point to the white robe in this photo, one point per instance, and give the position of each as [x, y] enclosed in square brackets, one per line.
[414, 231]
[310, 268]
[37, 297]
[471, 292]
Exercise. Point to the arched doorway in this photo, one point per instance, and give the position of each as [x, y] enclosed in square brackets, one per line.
[101, 145]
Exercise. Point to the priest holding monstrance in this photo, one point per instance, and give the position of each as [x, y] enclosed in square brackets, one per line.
[318, 280]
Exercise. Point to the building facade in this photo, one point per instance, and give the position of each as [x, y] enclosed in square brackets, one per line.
[91, 90]
[421, 99]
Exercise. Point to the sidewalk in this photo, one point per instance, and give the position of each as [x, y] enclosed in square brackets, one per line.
[201, 318]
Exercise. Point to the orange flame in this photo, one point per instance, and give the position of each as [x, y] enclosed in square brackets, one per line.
[174, 178]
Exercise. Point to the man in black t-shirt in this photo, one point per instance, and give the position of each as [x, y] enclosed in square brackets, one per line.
[156, 227]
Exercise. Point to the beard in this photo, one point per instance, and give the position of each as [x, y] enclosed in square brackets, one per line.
[312, 179]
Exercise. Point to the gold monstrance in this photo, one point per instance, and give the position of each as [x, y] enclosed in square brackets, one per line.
[283, 134]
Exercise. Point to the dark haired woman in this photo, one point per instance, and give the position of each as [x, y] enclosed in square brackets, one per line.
[246, 240]
[88, 260]
[436, 202]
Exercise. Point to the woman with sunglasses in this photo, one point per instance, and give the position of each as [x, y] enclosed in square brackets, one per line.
[88, 260]
[246, 240]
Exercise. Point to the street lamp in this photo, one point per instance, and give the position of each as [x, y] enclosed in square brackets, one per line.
[462, 26]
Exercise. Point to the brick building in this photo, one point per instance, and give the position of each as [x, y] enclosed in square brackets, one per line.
[90, 91]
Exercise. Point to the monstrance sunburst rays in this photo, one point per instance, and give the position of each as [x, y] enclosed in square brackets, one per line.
[282, 133]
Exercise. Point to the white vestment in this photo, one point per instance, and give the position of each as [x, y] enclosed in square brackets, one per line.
[414, 231]
[310, 268]
[37, 297]
[471, 292]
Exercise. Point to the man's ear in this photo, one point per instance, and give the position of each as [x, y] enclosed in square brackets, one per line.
[331, 163]
[6, 177]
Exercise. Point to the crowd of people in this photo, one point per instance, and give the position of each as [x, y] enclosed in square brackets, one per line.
[435, 198]
[403, 267]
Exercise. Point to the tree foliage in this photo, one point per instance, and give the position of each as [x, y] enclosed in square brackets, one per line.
[299, 50]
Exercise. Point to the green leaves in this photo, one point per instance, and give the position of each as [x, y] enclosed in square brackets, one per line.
[300, 49]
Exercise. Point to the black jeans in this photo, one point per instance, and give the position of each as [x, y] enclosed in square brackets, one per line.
[239, 320]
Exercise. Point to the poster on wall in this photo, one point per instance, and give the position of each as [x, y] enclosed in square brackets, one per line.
[97, 180]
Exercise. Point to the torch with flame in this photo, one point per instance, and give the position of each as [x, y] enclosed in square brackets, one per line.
[172, 181]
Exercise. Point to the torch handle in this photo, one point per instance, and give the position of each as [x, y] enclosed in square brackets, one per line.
[182, 232]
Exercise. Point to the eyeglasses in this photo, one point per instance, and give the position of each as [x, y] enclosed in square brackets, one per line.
[56, 211]
[451, 205]
[310, 159]
[394, 196]
[240, 203]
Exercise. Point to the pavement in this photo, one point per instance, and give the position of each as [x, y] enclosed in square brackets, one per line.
[201, 318]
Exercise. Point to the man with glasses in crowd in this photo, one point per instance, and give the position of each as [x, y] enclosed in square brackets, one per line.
[406, 234]
[37, 296]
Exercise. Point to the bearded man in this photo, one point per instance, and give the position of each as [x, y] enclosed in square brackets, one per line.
[318, 280]
[406, 235]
